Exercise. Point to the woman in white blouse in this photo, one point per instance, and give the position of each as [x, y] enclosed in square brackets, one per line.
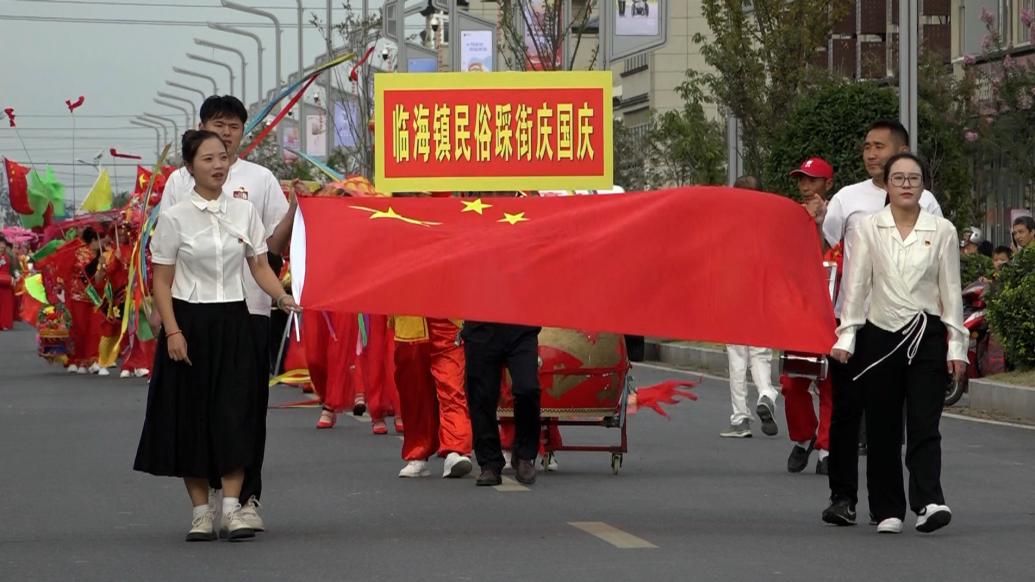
[200, 421]
[902, 327]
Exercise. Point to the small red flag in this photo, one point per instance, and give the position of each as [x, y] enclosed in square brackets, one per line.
[18, 187]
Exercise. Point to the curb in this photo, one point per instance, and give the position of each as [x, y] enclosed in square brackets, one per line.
[683, 355]
[1008, 400]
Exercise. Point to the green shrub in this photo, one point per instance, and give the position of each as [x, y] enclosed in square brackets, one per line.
[974, 266]
[1011, 308]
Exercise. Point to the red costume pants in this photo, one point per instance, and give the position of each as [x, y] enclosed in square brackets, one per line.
[330, 349]
[802, 423]
[377, 368]
[6, 307]
[141, 355]
[85, 333]
[430, 378]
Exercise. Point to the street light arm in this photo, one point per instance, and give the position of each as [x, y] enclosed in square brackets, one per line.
[244, 63]
[158, 135]
[229, 69]
[170, 121]
[276, 27]
[187, 88]
[251, 35]
[215, 87]
[187, 113]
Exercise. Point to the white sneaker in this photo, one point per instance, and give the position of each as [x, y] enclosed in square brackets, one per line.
[456, 466]
[72, 369]
[549, 463]
[506, 461]
[250, 514]
[203, 529]
[82, 370]
[103, 372]
[94, 368]
[892, 525]
[124, 374]
[933, 517]
[415, 469]
[141, 372]
[234, 527]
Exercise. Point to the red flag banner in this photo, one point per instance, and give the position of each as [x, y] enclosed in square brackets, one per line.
[703, 263]
[18, 187]
[493, 131]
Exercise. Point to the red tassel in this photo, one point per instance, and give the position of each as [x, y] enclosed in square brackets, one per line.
[354, 74]
[667, 392]
[116, 154]
[10, 115]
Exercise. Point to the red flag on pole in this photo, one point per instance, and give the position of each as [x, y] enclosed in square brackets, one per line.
[18, 187]
[703, 263]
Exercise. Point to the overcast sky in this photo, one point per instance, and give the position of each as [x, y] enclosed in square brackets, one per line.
[119, 67]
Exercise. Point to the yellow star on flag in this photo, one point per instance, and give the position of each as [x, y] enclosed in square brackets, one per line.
[513, 218]
[392, 214]
[476, 206]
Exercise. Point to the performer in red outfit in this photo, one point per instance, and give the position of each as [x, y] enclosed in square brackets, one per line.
[815, 179]
[7, 277]
[377, 370]
[429, 373]
[330, 347]
[86, 319]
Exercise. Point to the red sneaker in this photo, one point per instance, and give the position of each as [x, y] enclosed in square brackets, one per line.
[398, 425]
[328, 419]
[379, 427]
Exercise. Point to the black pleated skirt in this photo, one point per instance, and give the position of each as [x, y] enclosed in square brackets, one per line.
[201, 418]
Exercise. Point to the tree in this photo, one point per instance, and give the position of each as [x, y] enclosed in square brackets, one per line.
[687, 148]
[759, 56]
[630, 158]
[533, 33]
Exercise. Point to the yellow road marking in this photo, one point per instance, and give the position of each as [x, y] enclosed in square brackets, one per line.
[612, 535]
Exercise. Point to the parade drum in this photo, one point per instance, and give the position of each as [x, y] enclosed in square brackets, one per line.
[798, 365]
[815, 366]
[580, 374]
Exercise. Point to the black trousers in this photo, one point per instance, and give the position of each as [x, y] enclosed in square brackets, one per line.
[488, 348]
[845, 420]
[920, 387]
[260, 333]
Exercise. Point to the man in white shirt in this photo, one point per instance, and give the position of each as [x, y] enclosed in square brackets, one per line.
[226, 116]
[844, 214]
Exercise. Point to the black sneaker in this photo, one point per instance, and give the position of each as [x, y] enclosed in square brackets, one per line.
[765, 409]
[799, 457]
[823, 466]
[933, 517]
[839, 513]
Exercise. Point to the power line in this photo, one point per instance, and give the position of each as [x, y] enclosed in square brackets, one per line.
[153, 22]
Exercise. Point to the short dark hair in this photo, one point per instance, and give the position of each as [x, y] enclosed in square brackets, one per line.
[748, 183]
[88, 235]
[1003, 250]
[1027, 221]
[192, 140]
[906, 156]
[218, 106]
[898, 131]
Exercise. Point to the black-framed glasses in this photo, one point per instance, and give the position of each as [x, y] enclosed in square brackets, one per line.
[906, 180]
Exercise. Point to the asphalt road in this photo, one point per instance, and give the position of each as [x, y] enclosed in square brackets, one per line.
[692, 506]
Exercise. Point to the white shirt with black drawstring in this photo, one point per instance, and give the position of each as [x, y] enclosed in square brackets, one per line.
[905, 281]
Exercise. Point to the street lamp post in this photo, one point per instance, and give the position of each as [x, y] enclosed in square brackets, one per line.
[244, 64]
[192, 105]
[186, 112]
[251, 35]
[228, 68]
[301, 70]
[276, 27]
[215, 88]
[170, 121]
[188, 88]
[158, 135]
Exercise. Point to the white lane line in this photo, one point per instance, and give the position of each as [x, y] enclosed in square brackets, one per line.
[988, 421]
[663, 368]
[510, 485]
[612, 535]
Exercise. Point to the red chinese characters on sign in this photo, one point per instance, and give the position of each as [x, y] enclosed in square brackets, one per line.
[441, 133]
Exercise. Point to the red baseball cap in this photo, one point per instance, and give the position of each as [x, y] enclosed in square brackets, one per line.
[815, 168]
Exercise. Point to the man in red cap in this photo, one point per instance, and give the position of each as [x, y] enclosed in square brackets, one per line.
[815, 178]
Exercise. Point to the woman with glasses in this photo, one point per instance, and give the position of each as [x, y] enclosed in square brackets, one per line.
[904, 341]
